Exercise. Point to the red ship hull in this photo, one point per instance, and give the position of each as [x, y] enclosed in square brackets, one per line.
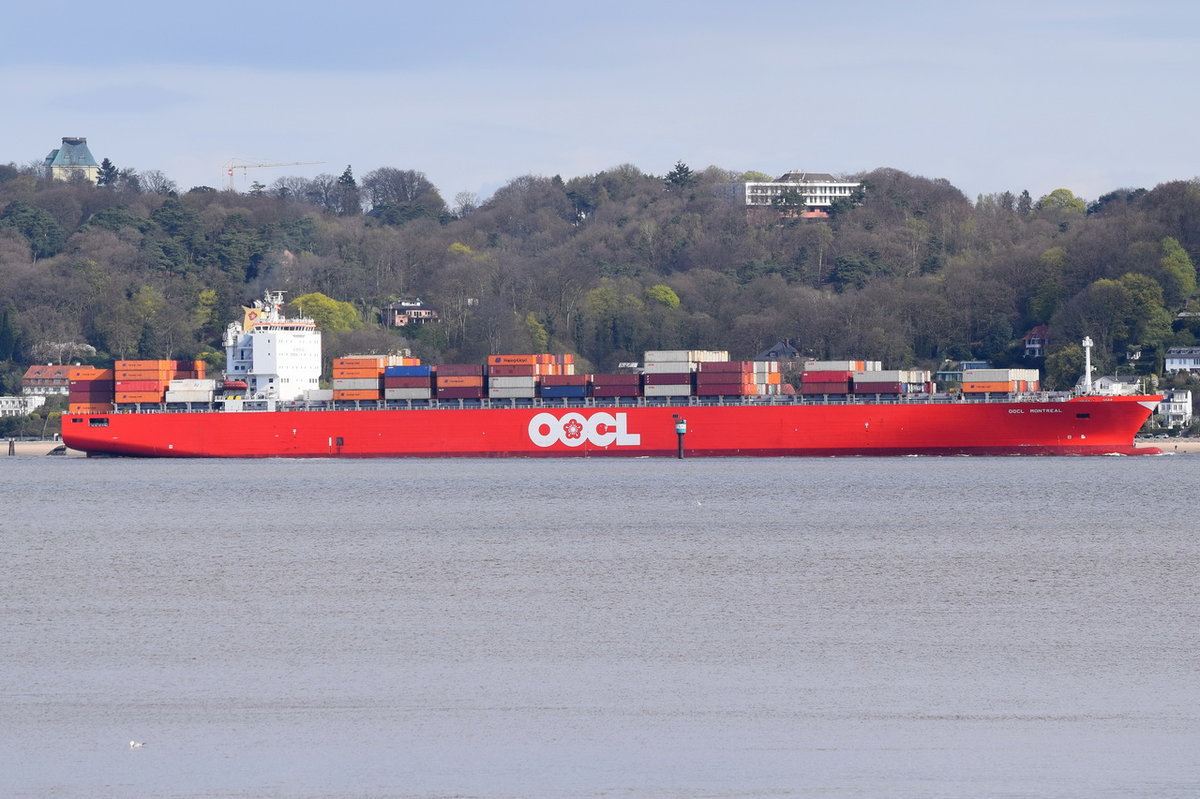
[1079, 426]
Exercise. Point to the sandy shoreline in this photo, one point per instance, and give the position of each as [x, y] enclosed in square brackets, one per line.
[28, 449]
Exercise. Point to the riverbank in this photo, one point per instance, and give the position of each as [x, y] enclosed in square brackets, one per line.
[33, 449]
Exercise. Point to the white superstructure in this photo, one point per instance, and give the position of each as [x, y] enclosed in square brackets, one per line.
[279, 358]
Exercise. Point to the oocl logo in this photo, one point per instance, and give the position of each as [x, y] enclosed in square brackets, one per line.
[573, 429]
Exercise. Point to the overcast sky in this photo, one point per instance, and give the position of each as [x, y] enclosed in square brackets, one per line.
[1090, 96]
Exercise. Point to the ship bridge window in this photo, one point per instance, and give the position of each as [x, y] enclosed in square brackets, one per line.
[100, 421]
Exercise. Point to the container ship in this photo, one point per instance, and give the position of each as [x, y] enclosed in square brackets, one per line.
[678, 403]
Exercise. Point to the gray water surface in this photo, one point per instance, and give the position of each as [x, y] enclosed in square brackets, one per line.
[912, 627]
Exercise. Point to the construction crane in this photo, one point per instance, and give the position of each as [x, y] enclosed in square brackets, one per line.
[233, 164]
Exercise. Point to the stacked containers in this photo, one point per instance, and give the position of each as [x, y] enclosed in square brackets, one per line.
[458, 381]
[91, 390]
[560, 386]
[407, 382]
[737, 378]
[890, 381]
[999, 381]
[831, 377]
[148, 380]
[519, 376]
[616, 385]
[669, 373]
[359, 377]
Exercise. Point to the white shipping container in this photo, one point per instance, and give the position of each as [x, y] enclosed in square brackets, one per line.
[668, 368]
[524, 381]
[666, 391]
[192, 384]
[188, 396]
[319, 395]
[512, 393]
[356, 383]
[668, 356]
[407, 393]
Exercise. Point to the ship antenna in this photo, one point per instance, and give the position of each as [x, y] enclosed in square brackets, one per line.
[1087, 364]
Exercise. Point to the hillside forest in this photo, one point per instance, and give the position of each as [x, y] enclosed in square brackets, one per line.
[910, 272]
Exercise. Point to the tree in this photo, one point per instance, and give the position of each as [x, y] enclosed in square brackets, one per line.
[330, 315]
[349, 201]
[1062, 200]
[40, 229]
[663, 295]
[398, 196]
[1024, 203]
[107, 176]
[680, 177]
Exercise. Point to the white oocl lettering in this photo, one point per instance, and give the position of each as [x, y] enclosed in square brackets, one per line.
[573, 429]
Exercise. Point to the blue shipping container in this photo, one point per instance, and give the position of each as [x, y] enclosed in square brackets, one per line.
[556, 392]
[407, 371]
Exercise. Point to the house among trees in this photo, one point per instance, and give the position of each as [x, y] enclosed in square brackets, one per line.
[782, 351]
[1036, 341]
[73, 158]
[1175, 410]
[1182, 359]
[406, 312]
[803, 194]
[46, 379]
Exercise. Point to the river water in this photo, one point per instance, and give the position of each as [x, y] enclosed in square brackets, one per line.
[910, 627]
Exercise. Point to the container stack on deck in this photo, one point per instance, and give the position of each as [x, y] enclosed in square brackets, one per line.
[521, 376]
[891, 381]
[361, 377]
[671, 373]
[1000, 381]
[91, 390]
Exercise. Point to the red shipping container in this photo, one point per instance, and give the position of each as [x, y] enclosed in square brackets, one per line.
[565, 380]
[825, 388]
[877, 387]
[458, 369]
[407, 382]
[725, 390]
[742, 367]
[615, 391]
[668, 379]
[622, 379]
[465, 392]
[513, 370]
[825, 377]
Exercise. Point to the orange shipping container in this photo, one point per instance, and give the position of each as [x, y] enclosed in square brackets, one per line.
[357, 373]
[512, 360]
[356, 394]
[989, 387]
[139, 396]
[362, 362]
[459, 381]
[89, 407]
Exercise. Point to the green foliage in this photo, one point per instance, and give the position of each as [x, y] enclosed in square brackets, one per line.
[1062, 200]
[537, 333]
[45, 236]
[663, 295]
[680, 177]
[107, 176]
[330, 315]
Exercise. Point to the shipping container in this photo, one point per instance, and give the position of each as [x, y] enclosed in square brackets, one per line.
[408, 393]
[458, 370]
[192, 384]
[879, 387]
[725, 367]
[356, 394]
[188, 396]
[459, 381]
[989, 387]
[618, 379]
[566, 380]
[357, 384]
[139, 396]
[408, 382]
[459, 392]
[838, 387]
[318, 395]
[602, 390]
[726, 390]
[825, 375]
[89, 407]
[512, 393]
[512, 382]
[513, 360]
[666, 390]
[667, 379]
[408, 371]
[514, 370]
[559, 392]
